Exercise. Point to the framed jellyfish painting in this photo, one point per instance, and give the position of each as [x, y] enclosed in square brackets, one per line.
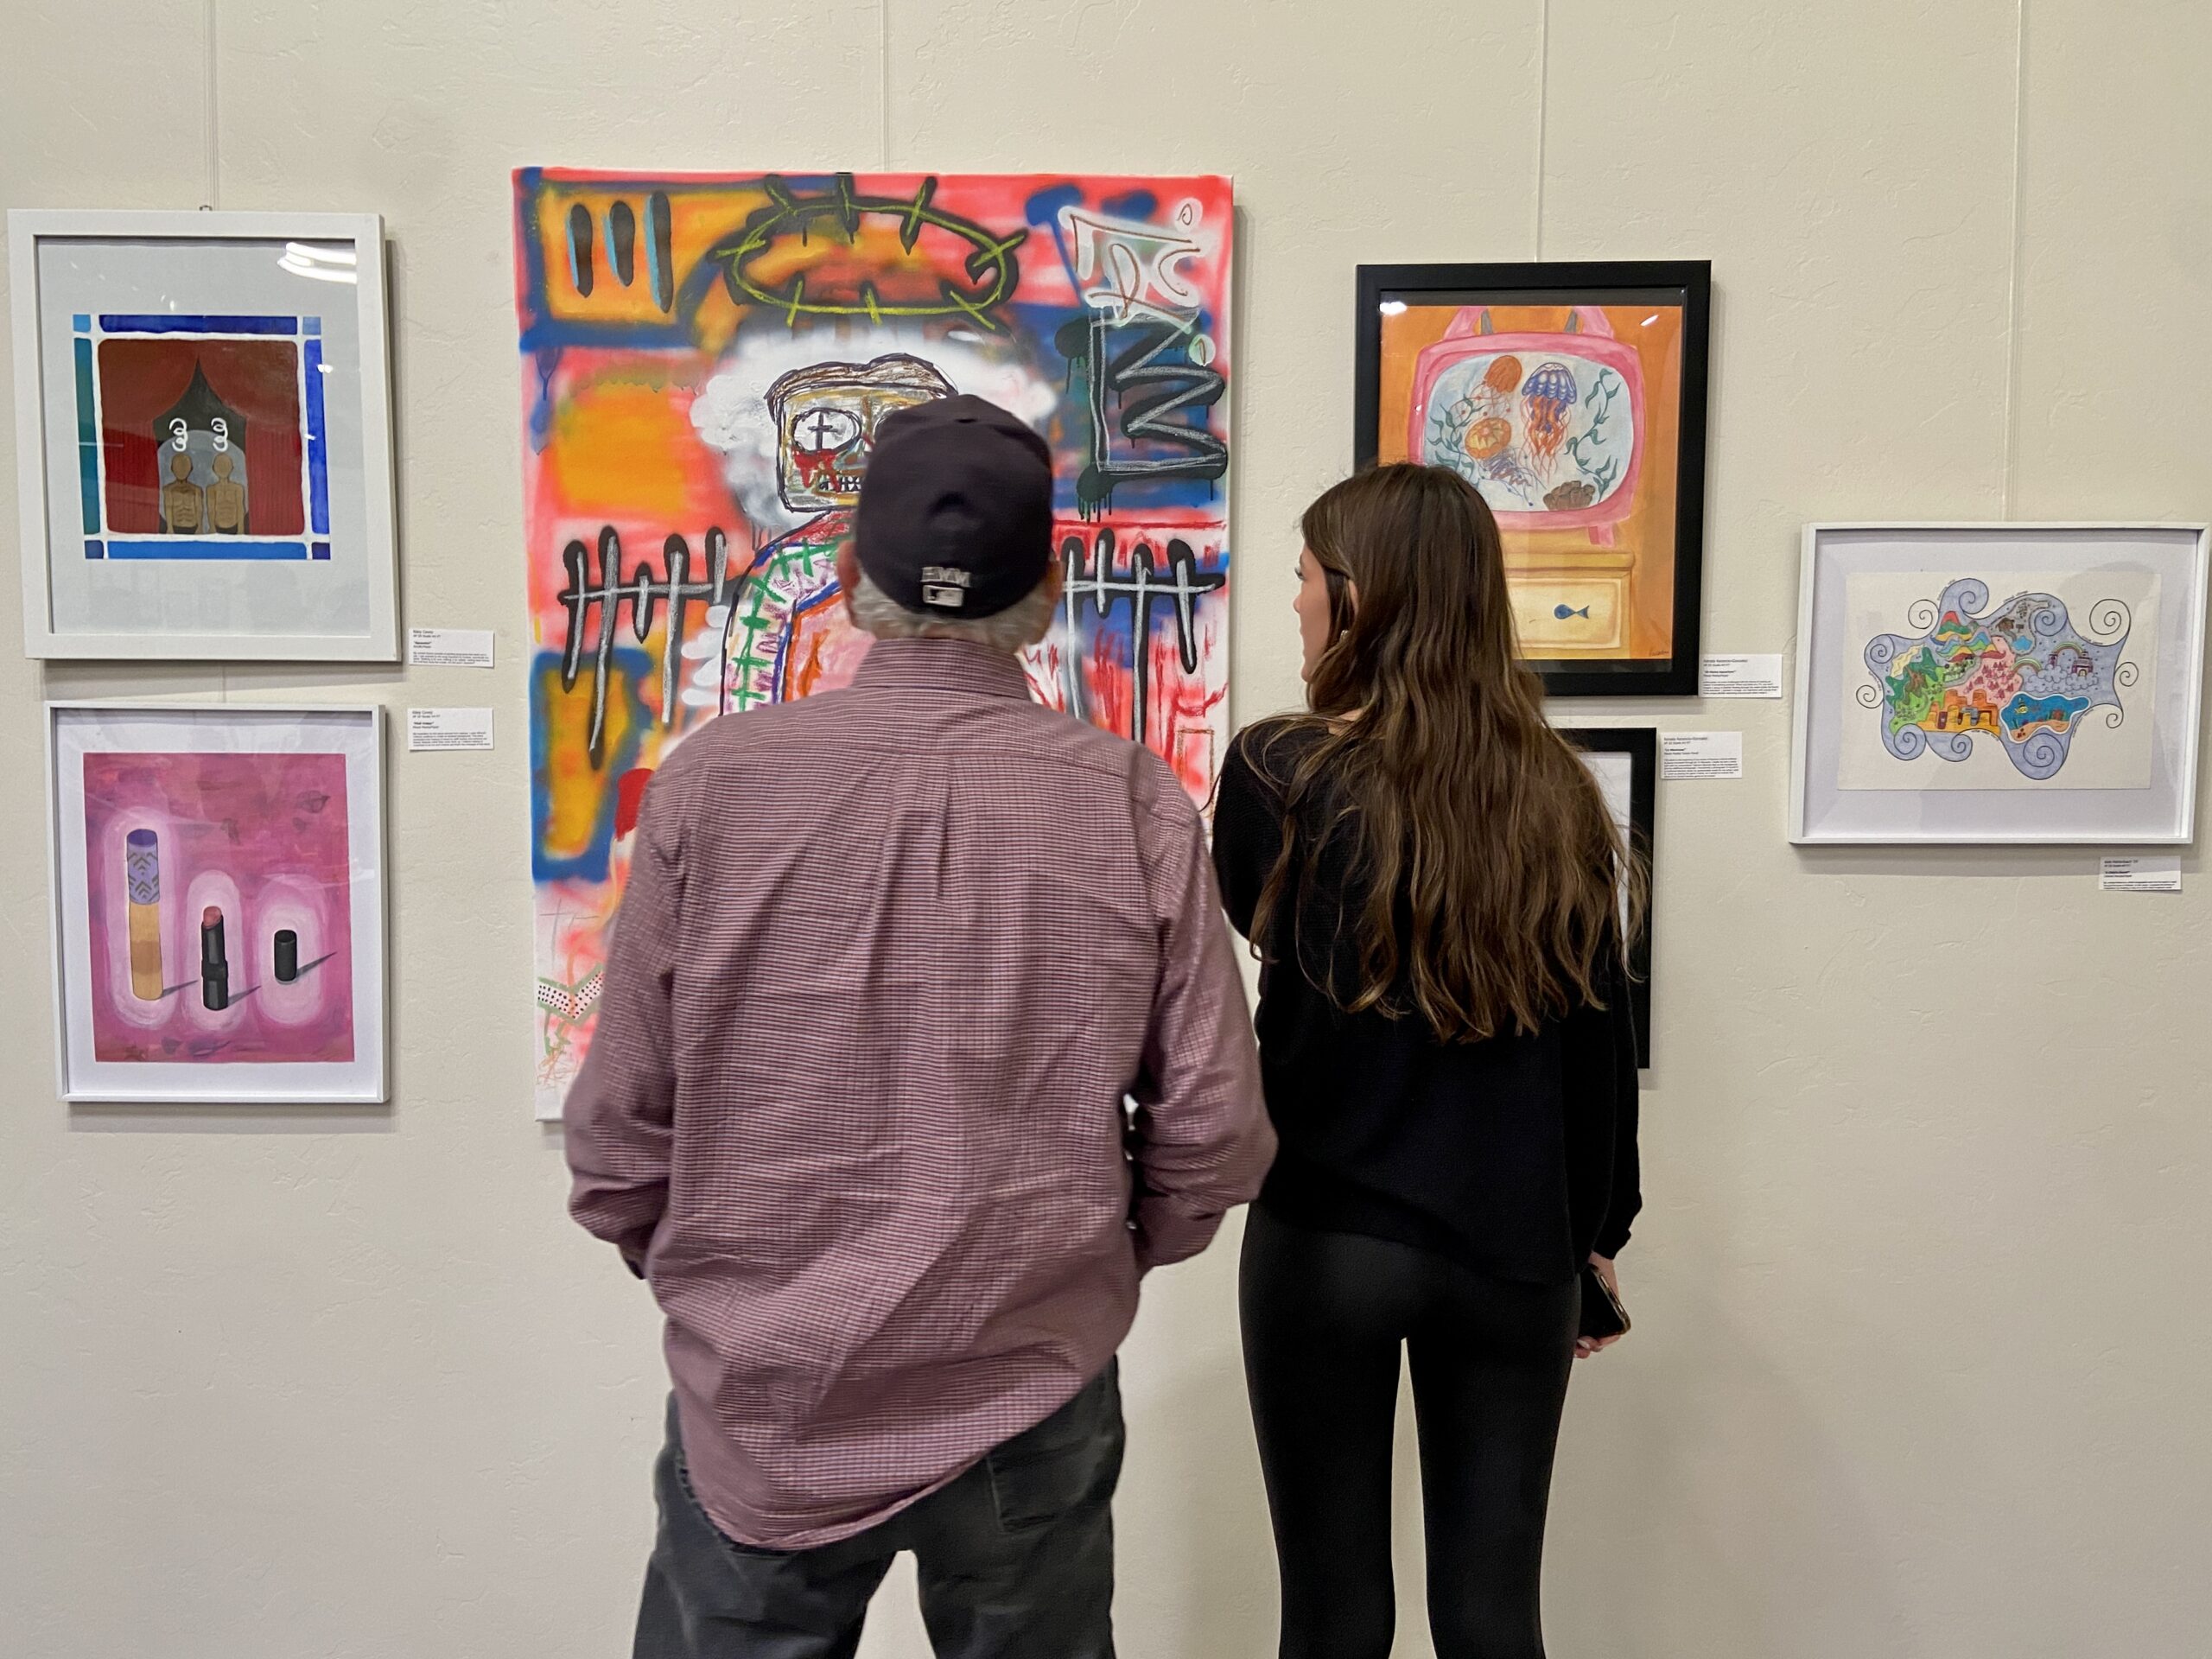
[219, 903]
[1998, 683]
[1574, 397]
[203, 430]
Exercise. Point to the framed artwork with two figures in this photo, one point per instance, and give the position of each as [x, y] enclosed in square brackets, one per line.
[1573, 396]
[204, 432]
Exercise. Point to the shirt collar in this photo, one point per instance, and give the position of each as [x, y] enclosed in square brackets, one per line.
[943, 666]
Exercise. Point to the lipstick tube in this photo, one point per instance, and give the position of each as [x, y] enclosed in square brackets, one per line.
[141, 884]
[214, 965]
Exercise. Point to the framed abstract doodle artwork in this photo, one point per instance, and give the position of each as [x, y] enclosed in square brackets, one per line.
[704, 359]
[218, 881]
[1624, 760]
[203, 434]
[1574, 397]
[1998, 683]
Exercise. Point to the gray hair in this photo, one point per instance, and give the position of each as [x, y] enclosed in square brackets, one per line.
[1016, 628]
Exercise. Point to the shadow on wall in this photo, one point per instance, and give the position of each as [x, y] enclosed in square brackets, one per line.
[1675, 1500]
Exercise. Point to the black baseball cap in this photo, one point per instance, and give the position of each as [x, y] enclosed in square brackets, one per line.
[955, 510]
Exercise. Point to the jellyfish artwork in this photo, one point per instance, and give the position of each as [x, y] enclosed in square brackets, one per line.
[1546, 396]
[1500, 381]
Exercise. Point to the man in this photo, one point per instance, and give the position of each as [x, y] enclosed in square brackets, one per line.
[890, 961]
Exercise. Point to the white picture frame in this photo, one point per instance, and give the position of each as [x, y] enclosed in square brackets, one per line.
[277, 548]
[2068, 722]
[199, 961]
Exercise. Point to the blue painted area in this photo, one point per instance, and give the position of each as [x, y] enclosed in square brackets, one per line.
[319, 550]
[88, 441]
[311, 325]
[2024, 710]
[318, 442]
[82, 322]
[1135, 204]
[652, 251]
[134, 324]
[1044, 207]
[174, 547]
[95, 550]
[630, 669]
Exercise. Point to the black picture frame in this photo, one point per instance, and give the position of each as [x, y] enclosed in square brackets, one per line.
[1641, 745]
[1688, 282]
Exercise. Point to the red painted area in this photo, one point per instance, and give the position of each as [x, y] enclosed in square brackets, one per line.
[630, 799]
[140, 380]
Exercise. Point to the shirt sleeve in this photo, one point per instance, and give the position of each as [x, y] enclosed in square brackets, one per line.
[621, 1108]
[1627, 1200]
[1247, 836]
[1200, 1141]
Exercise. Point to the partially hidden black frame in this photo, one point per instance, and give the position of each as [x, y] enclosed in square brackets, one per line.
[1641, 745]
[1587, 283]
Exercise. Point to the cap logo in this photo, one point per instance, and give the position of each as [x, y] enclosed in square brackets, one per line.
[945, 586]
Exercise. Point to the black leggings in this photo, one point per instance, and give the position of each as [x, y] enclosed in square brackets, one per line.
[1324, 1315]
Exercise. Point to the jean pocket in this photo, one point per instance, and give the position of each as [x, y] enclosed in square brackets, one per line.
[1070, 1460]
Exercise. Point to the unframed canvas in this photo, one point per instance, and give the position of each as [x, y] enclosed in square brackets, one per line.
[704, 361]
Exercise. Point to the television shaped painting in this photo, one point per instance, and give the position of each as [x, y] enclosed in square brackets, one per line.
[1572, 396]
[705, 360]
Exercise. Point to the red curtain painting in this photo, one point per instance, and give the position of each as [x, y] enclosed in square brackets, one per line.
[141, 379]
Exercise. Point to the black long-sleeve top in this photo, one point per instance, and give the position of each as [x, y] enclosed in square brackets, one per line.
[1516, 1154]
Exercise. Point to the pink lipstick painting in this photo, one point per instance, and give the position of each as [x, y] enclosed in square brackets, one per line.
[217, 903]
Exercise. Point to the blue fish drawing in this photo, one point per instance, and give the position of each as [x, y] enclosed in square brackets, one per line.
[1562, 611]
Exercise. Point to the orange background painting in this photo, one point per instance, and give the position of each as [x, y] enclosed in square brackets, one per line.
[1646, 536]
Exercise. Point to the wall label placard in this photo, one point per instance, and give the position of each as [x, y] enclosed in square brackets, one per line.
[448, 729]
[1700, 756]
[1758, 675]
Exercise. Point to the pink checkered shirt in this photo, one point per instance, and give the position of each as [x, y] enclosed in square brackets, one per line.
[889, 962]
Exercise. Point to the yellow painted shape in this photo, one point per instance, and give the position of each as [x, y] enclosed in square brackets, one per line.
[576, 792]
[619, 450]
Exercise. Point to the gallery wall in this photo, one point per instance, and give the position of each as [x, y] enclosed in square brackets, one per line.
[1926, 1143]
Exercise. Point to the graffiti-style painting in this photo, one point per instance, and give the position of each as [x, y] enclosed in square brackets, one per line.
[705, 360]
[1573, 398]
[2023, 675]
[218, 911]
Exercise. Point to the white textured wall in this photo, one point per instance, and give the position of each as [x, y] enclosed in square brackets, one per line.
[1921, 1357]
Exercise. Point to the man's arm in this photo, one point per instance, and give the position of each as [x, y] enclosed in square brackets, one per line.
[621, 1108]
[1201, 1142]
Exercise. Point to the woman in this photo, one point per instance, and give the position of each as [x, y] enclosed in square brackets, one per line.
[1435, 887]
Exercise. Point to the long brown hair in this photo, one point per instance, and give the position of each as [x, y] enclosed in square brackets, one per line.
[1493, 870]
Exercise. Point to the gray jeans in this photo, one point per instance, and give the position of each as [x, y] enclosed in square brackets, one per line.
[1015, 1559]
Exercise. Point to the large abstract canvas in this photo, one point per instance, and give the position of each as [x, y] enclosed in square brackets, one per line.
[217, 888]
[1572, 396]
[1999, 682]
[704, 362]
[205, 461]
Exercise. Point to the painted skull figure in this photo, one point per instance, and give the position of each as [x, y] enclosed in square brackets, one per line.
[826, 416]
[784, 636]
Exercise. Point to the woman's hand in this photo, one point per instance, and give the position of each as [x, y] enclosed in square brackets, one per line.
[1585, 1346]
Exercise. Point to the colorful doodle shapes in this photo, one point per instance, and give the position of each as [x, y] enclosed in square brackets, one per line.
[1961, 678]
[2025, 716]
[573, 801]
[843, 252]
